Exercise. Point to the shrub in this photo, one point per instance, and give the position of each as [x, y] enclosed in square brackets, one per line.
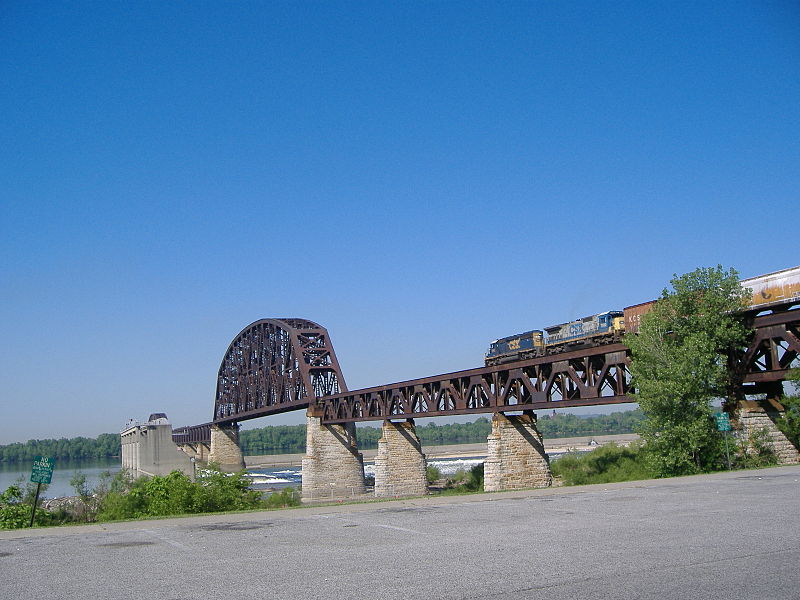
[13, 512]
[432, 474]
[466, 481]
[286, 497]
[177, 494]
[756, 450]
[604, 465]
[789, 424]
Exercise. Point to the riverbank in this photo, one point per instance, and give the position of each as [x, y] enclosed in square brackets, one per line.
[553, 446]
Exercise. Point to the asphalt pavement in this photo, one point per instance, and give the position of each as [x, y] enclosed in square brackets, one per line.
[727, 535]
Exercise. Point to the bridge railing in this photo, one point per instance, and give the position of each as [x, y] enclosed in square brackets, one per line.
[194, 434]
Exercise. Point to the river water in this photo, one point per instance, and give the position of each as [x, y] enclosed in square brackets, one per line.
[11, 474]
[263, 478]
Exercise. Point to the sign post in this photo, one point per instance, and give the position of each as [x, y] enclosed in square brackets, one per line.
[724, 425]
[42, 472]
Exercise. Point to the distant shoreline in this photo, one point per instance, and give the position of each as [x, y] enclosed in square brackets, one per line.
[552, 445]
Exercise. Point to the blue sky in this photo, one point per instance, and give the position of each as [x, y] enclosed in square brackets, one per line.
[420, 178]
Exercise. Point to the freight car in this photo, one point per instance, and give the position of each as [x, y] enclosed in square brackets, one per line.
[767, 292]
[772, 289]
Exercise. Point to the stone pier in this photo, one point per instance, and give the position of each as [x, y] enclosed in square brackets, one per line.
[400, 463]
[225, 449]
[333, 467]
[753, 416]
[515, 456]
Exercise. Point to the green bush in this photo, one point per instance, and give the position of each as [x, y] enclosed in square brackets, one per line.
[604, 465]
[285, 498]
[13, 512]
[463, 481]
[789, 424]
[432, 474]
[755, 451]
[177, 494]
[16, 503]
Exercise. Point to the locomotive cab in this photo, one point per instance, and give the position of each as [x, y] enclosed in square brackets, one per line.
[516, 347]
[611, 323]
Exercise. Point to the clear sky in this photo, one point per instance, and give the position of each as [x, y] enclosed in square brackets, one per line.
[419, 178]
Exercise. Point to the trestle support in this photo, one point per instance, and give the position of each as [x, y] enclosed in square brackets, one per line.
[515, 456]
[400, 463]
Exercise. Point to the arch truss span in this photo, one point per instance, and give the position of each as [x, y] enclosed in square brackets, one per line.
[274, 366]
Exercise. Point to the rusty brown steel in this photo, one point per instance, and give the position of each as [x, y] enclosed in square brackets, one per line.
[274, 366]
[193, 434]
[592, 376]
[278, 365]
[773, 350]
[589, 377]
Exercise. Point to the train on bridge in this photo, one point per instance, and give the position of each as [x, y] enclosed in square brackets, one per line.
[608, 327]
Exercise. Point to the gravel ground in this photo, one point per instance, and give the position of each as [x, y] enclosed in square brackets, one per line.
[727, 535]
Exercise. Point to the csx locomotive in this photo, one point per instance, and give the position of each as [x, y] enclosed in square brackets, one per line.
[766, 292]
[604, 328]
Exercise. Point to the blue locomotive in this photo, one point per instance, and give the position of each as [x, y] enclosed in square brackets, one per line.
[516, 347]
[603, 328]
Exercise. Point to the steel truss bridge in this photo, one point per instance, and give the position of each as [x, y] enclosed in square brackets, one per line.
[279, 365]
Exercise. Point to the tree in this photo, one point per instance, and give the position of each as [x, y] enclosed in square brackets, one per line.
[679, 365]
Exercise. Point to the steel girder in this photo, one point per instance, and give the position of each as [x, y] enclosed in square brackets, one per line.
[589, 377]
[584, 377]
[773, 350]
[274, 366]
[194, 434]
[278, 365]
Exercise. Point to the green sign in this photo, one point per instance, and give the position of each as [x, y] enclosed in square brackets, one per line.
[42, 469]
[723, 421]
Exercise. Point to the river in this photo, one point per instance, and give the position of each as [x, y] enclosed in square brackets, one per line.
[277, 476]
[11, 474]
[263, 477]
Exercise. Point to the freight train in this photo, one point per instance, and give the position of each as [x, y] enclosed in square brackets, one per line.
[767, 292]
[604, 328]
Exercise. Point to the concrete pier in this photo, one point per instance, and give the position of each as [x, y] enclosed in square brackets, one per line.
[332, 466]
[225, 450]
[515, 456]
[399, 463]
[753, 416]
[148, 449]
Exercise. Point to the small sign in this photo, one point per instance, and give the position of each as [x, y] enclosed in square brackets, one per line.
[723, 421]
[42, 469]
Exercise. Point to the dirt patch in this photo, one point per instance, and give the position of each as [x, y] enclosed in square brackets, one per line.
[125, 544]
[234, 526]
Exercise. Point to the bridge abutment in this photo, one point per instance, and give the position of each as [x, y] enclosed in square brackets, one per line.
[754, 416]
[515, 456]
[332, 467]
[400, 463]
[225, 450]
[148, 449]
